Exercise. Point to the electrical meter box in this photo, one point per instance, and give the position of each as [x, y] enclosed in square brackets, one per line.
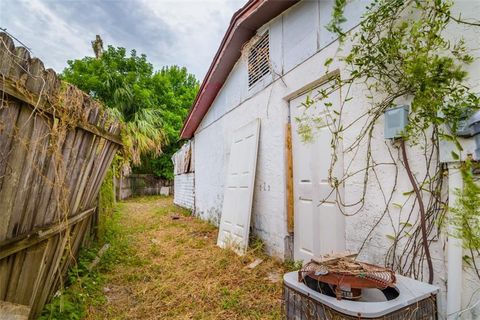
[396, 119]
[468, 136]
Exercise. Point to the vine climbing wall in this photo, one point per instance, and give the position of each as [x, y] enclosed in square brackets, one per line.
[56, 145]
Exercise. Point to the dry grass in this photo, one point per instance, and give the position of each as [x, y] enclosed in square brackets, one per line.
[179, 273]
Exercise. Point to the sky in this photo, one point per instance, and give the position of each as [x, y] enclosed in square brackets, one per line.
[182, 32]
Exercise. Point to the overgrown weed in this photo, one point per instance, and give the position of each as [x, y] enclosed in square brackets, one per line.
[164, 264]
[84, 288]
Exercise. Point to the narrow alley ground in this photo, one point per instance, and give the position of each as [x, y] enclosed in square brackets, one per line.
[174, 270]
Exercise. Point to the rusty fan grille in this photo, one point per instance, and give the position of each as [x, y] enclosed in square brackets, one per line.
[348, 272]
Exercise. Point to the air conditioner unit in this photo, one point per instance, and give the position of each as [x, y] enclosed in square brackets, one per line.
[415, 300]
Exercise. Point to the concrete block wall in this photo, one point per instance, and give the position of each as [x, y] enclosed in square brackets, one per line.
[184, 191]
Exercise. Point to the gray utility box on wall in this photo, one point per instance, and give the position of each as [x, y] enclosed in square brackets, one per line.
[471, 128]
[396, 119]
[468, 136]
[416, 300]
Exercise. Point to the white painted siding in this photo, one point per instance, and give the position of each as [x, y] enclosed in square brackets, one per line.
[184, 190]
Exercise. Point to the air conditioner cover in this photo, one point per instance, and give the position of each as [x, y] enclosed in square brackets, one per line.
[411, 292]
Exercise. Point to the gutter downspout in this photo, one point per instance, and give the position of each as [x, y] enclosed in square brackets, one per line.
[454, 248]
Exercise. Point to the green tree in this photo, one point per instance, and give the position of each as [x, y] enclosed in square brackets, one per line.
[176, 90]
[151, 104]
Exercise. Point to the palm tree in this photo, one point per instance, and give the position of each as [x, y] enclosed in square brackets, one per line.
[143, 132]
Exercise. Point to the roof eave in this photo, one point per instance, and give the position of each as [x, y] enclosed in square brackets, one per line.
[242, 28]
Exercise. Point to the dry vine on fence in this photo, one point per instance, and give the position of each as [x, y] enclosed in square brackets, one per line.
[56, 145]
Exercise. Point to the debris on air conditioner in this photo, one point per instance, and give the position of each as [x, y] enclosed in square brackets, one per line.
[341, 287]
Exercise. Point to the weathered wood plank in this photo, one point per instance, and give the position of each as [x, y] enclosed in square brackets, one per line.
[83, 154]
[103, 172]
[29, 274]
[50, 180]
[45, 269]
[7, 51]
[16, 263]
[40, 170]
[48, 173]
[46, 190]
[76, 238]
[52, 83]
[87, 156]
[54, 206]
[39, 102]
[289, 177]
[4, 271]
[101, 150]
[10, 185]
[14, 245]
[57, 207]
[19, 67]
[106, 149]
[99, 255]
[35, 82]
[34, 145]
[8, 120]
[56, 254]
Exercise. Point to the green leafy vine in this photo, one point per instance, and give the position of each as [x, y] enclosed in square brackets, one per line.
[400, 53]
[466, 213]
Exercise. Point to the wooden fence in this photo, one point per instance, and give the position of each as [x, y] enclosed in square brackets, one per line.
[137, 184]
[56, 145]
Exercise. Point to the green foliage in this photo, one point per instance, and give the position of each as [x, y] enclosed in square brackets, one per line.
[230, 299]
[256, 245]
[120, 83]
[106, 202]
[400, 53]
[176, 89]
[151, 104]
[466, 213]
[84, 288]
[292, 265]
[106, 196]
[161, 166]
[337, 19]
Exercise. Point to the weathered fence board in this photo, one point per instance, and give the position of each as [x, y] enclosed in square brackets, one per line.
[56, 145]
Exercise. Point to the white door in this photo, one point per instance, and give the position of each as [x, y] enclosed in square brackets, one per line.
[238, 194]
[319, 225]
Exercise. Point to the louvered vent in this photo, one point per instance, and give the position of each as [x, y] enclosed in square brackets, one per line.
[258, 60]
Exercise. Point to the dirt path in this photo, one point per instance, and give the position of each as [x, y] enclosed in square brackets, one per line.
[175, 271]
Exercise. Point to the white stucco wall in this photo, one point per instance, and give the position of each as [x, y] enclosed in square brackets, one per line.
[299, 46]
[237, 105]
[212, 154]
[358, 226]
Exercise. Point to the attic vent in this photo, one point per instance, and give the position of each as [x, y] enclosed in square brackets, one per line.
[258, 60]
